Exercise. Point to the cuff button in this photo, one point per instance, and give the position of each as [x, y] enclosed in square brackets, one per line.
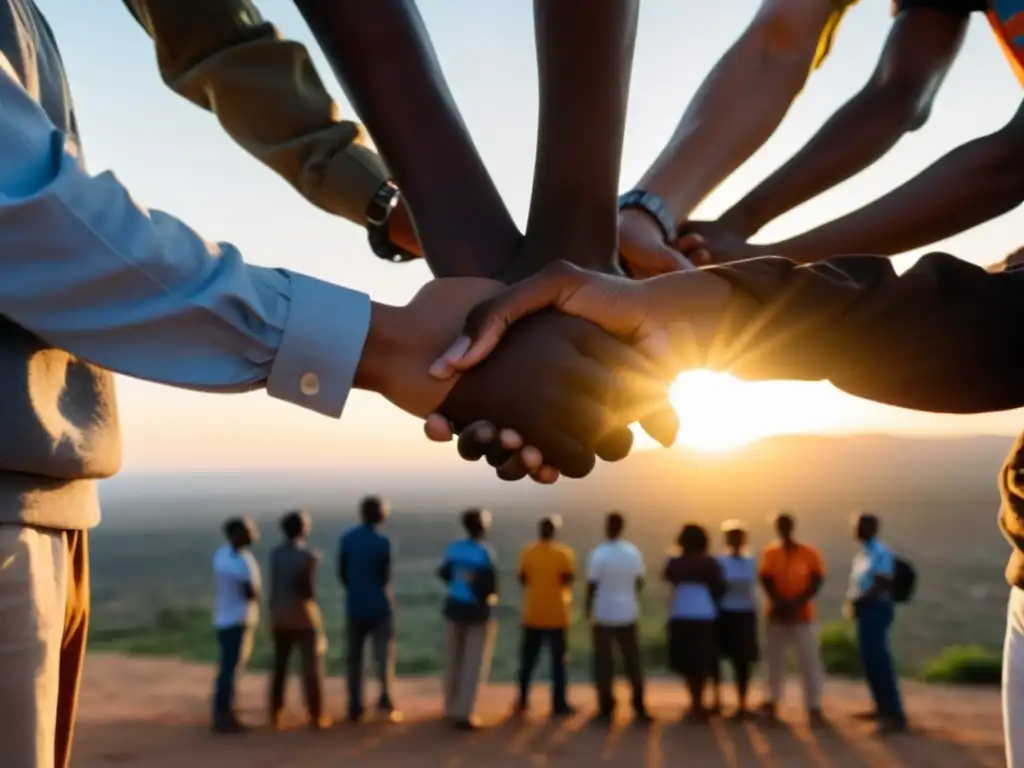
[309, 384]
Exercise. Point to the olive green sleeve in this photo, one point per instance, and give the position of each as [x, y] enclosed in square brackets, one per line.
[267, 95]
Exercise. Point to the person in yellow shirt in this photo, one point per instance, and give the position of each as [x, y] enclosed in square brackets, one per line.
[546, 571]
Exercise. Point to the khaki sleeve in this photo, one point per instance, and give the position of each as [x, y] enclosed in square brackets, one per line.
[267, 95]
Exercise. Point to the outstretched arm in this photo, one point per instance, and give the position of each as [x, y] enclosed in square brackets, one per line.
[763, 72]
[922, 45]
[266, 94]
[383, 57]
[584, 62]
[972, 184]
[934, 338]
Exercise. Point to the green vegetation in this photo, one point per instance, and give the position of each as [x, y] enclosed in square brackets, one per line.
[965, 665]
[839, 651]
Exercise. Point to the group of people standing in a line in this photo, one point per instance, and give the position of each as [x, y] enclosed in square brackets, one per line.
[712, 616]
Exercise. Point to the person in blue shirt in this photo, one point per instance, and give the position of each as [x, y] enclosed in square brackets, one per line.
[364, 569]
[870, 603]
[471, 577]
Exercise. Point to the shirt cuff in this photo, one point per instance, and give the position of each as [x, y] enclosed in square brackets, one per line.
[321, 345]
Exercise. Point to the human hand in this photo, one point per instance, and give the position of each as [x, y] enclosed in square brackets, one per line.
[402, 342]
[668, 318]
[584, 388]
[721, 244]
[644, 250]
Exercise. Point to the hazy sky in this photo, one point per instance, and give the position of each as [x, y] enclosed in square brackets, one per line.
[174, 156]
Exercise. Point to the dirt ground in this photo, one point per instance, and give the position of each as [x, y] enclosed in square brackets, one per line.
[148, 712]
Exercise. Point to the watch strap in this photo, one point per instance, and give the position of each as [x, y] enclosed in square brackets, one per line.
[378, 211]
[654, 206]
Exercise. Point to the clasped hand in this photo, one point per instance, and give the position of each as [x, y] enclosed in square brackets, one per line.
[562, 384]
[560, 391]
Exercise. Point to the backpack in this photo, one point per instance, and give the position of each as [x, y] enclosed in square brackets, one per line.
[904, 579]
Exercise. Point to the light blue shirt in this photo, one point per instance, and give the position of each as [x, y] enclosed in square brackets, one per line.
[692, 601]
[740, 574]
[873, 559]
[87, 269]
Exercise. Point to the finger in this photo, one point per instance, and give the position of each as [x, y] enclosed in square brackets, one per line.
[701, 257]
[475, 440]
[688, 242]
[546, 475]
[510, 439]
[437, 428]
[528, 461]
[497, 455]
[513, 469]
[659, 261]
[563, 446]
[621, 379]
[532, 458]
[508, 444]
[615, 444]
[487, 322]
[662, 425]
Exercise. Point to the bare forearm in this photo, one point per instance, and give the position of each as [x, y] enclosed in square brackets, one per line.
[584, 57]
[860, 133]
[921, 46]
[969, 186]
[763, 71]
[383, 56]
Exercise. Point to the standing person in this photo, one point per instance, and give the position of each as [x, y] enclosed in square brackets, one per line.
[295, 618]
[792, 574]
[737, 614]
[870, 603]
[472, 578]
[236, 613]
[364, 569]
[697, 585]
[615, 578]
[546, 571]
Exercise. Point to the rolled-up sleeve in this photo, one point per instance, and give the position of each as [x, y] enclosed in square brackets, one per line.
[87, 269]
[266, 93]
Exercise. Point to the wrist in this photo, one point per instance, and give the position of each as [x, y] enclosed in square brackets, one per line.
[384, 343]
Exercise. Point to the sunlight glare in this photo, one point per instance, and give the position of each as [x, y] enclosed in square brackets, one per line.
[718, 412]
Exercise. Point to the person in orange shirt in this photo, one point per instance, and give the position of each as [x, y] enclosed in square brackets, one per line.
[792, 574]
[546, 571]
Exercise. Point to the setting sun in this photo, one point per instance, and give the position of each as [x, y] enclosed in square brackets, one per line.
[719, 412]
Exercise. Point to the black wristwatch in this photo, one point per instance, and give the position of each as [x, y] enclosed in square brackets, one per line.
[384, 201]
[653, 206]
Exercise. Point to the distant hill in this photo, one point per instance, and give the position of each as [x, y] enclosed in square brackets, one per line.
[797, 469]
[805, 468]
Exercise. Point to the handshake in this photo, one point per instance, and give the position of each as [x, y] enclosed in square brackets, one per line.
[543, 378]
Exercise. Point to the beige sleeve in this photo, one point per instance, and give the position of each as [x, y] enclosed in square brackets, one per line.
[267, 95]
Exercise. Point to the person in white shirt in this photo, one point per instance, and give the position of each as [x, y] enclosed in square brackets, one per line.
[869, 600]
[615, 577]
[236, 613]
[737, 614]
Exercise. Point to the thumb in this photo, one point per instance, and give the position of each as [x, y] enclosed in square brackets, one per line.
[488, 321]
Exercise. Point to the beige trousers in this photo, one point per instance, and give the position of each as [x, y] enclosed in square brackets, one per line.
[467, 663]
[44, 611]
[803, 639]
